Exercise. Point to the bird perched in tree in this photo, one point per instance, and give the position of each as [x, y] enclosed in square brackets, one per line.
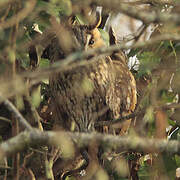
[99, 91]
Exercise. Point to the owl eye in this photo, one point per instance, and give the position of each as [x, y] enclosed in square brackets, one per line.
[91, 42]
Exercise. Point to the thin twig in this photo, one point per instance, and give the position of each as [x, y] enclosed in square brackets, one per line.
[172, 105]
[17, 114]
[5, 14]
[119, 120]
[5, 120]
[132, 115]
[31, 174]
[5, 168]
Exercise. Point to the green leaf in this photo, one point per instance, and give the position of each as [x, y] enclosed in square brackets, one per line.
[148, 62]
[70, 178]
[23, 58]
[43, 20]
[133, 52]
[169, 165]
[19, 102]
[63, 7]
[44, 63]
[12, 55]
[149, 115]
[171, 122]
[177, 46]
[42, 3]
[177, 159]
[104, 35]
[80, 19]
[143, 172]
[167, 96]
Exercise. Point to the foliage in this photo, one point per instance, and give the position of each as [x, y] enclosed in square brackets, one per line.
[24, 77]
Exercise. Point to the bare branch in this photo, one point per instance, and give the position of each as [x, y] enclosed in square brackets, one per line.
[75, 57]
[119, 120]
[145, 16]
[17, 114]
[38, 138]
[77, 60]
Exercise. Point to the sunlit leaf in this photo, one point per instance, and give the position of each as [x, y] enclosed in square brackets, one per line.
[19, 102]
[149, 116]
[105, 36]
[44, 63]
[65, 144]
[12, 55]
[121, 167]
[101, 175]
[36, 97]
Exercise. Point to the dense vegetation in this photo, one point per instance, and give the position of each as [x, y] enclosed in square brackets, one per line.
[151, 148]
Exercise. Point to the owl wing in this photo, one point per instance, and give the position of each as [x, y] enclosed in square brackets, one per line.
[121, 93]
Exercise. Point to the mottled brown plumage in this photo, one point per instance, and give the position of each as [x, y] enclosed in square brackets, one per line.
[81, 93]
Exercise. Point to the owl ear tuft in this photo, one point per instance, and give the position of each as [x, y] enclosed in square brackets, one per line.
[97, 21]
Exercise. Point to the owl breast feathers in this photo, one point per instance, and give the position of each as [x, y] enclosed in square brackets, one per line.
[102, 90]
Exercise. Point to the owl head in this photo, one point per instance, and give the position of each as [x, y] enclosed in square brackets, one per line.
[72, 36]
[88, 36]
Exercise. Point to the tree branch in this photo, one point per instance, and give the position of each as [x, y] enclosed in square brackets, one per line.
[64, 65]
[16, 113]
[119, 120]
[145, 16]
[36, 138]
[77, 60]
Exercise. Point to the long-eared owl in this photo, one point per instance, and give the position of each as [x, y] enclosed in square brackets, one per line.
[99, 91]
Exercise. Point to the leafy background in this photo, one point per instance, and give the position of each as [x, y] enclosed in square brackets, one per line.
[156, 69]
